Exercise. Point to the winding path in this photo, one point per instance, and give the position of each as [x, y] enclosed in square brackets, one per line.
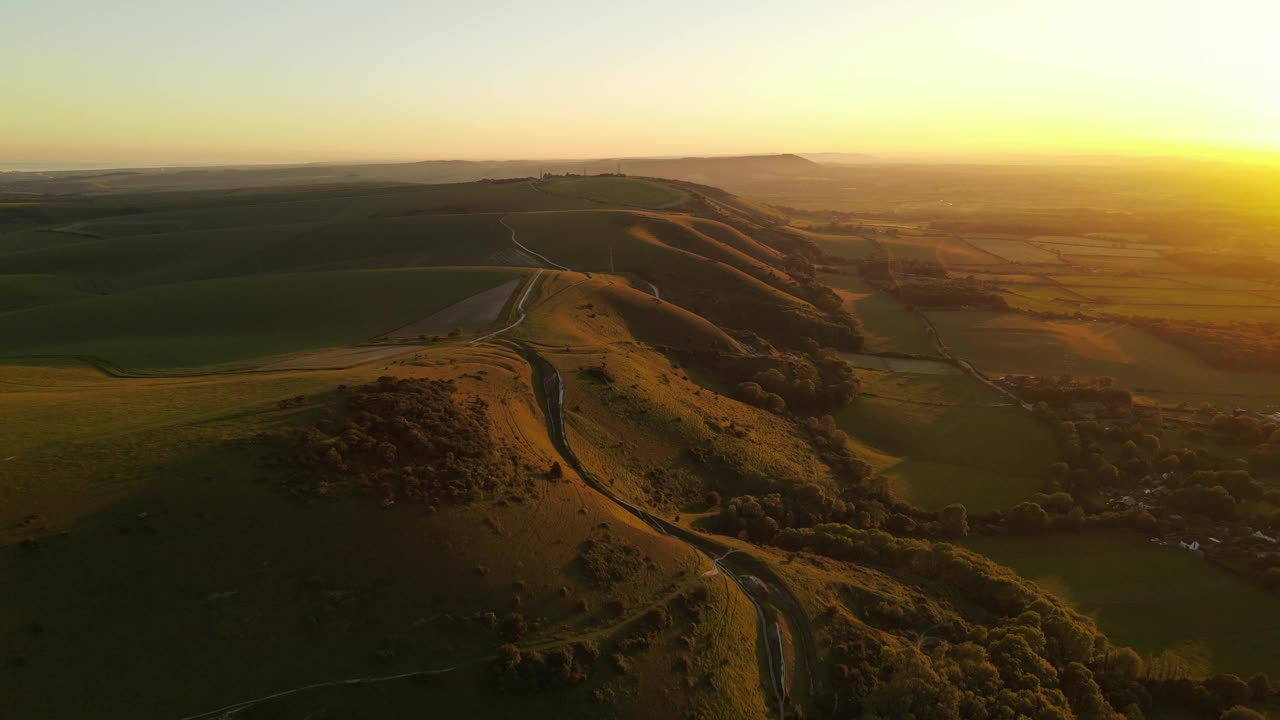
[520, 313]
[526, 250]
[553, 392]
[789, 607]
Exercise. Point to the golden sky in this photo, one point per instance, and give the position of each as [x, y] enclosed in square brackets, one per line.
[160, 82]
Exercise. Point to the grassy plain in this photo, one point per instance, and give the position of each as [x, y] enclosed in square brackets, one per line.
[1010, 343]
[841, 245]
[238, 319]
[949, 439]
[886, 324]
[19, 291]
[1158, 600]
[1015, 251]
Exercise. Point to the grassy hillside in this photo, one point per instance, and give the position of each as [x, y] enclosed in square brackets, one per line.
[691, 269]
[238, 319]
[564, 511]
[19, 291]
[572, 310]
[336, 589]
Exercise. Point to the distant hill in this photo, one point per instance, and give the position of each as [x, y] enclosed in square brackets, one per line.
[706, 170]
[840, 158]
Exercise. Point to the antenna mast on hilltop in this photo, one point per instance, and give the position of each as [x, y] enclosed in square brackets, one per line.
[619, 172]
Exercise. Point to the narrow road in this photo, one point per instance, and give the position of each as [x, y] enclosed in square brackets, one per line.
[520, 313]
[526, 250]
[769, 583]
[718, 554]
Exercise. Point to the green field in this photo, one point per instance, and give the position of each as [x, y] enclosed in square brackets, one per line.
[19, 291]
[620, 191]
[1015, 251]
[908, 247]
[1076, 249]
[887, 325]
[238, 319]
[999, 343]
[850, 246]
[1153, 598]
[1085, 282]
[1172, 296]
[1211, 313]
[202, 210]
[951, 443]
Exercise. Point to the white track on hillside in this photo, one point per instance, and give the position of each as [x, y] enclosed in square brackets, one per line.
[527, 250]
[519, 310]
[233, 709]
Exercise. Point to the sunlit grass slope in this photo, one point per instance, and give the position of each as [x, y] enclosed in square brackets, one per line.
[228, 591]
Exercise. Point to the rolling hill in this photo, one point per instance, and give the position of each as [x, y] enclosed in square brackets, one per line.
[304, 442]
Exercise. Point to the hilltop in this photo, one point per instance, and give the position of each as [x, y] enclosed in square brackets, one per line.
[708, 170]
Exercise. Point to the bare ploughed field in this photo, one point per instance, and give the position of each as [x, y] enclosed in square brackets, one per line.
[471, 314]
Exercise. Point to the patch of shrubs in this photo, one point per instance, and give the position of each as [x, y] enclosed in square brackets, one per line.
[395, 439]
[517, 670]
[760, 519]
[821, 381]
[949, 293]
[606, 558]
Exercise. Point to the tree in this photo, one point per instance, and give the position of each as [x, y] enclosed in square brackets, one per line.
[1212, 502]
[514, 626]
[1125, 662]
[1109, 475]
[1083, 693]
[1028, 518]
[1260, 686]
[1229, 688]
[954, 520]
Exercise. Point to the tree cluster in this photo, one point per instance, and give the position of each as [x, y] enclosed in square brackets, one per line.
[396, 439]
[987, 644]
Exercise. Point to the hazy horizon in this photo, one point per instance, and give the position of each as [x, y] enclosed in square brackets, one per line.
[867, 158]
[158, 84]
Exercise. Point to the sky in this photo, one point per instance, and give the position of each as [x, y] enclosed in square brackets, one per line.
[156, 82]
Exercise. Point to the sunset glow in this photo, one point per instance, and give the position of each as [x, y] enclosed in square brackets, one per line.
[175, 82]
